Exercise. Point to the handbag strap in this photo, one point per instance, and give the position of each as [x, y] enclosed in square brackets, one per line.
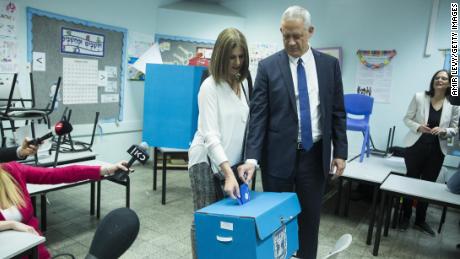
[243, 154]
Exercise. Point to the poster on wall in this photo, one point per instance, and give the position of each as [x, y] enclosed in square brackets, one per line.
[184, 50]
[82, 42]
[80, 81]
[374, 74]
[333, 51]
[8, 17]
[259, 51]
[8, 55]
[8, 38]
[139, 43]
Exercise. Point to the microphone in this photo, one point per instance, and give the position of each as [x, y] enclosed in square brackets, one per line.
[114, 235]
[137, 152]
[61, 128]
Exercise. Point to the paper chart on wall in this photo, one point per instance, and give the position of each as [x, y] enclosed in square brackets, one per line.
[39, 61]
[80, 80]
[111, 72]
[259, 51]
[102, 78]
[8, 17]
[375, 82]
[8, 55]
[109, 98]
[111, 87]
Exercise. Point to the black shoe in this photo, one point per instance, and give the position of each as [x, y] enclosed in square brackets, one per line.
[424, 227]
[403, 224]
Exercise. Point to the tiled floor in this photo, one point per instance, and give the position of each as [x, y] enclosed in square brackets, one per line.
[165, 229]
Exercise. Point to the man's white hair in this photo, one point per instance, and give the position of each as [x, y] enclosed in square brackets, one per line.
[296, 12]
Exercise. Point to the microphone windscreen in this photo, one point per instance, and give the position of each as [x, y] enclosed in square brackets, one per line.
[115, 234]
[144, 145]
[62, 128]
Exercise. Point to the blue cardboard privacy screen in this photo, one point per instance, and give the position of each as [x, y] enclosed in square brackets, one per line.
[171, 105]
[265, 227]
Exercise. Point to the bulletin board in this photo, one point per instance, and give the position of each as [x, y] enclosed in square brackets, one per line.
[179, 50]
[89, 58]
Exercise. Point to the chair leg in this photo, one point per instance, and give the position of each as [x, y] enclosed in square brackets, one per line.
[368, 141]
[363, 147]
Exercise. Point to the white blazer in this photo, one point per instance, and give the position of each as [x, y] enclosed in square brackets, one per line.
[417, 114]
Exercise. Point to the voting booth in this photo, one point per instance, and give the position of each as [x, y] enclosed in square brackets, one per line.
[265, 227]
[171, 105]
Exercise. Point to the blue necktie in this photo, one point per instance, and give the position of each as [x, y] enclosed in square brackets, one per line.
[304, 107]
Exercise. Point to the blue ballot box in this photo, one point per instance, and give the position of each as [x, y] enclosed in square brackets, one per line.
[263, 228]
[171, 105]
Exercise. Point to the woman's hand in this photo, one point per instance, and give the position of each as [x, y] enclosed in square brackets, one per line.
[112, 168]
[231, 188]
[18, 226]
[438, 131]
[424, 128]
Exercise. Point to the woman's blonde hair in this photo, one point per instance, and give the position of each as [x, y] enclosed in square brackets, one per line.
[227, 40]
[10, 194]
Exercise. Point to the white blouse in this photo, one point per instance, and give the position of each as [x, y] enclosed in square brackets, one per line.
[12, 214]
[222, 122]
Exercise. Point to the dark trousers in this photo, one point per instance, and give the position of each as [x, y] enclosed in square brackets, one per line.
[308, 182]
[423, 161]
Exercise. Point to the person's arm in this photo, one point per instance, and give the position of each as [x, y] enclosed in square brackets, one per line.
[339, 118]
[17, 153]
[8, 154]
[410, 116]
[68, 174]
[452, 130]
[259, 112]
[339, 125]
[18, 226]
[208, 126]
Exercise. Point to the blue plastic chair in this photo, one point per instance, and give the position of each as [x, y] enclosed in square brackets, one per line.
[359, 104]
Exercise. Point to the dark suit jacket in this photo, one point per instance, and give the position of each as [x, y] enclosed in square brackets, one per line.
[8, 154]
[273, 125]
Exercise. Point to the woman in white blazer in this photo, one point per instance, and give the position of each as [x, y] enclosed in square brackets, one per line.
[431, 120]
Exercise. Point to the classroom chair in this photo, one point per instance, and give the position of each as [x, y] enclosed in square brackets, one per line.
[359, 105]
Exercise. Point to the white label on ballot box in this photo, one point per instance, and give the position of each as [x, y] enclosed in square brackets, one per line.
[226, 225]
[280, 243]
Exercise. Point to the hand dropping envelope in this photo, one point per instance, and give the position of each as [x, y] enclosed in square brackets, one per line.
[244, 194]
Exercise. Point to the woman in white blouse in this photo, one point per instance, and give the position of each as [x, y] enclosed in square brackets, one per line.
[223, 114]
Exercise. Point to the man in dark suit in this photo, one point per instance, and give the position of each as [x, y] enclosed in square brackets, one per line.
[297, 113]
[17, 153]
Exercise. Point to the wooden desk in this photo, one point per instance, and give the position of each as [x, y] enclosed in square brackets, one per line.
[421, 190]
[372, 171]
[15, 244]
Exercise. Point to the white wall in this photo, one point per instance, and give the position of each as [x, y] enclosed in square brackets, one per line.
[350, 24]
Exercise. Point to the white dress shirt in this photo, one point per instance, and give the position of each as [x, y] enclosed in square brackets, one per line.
[222, 122]
[12, 214]
[313, 91]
